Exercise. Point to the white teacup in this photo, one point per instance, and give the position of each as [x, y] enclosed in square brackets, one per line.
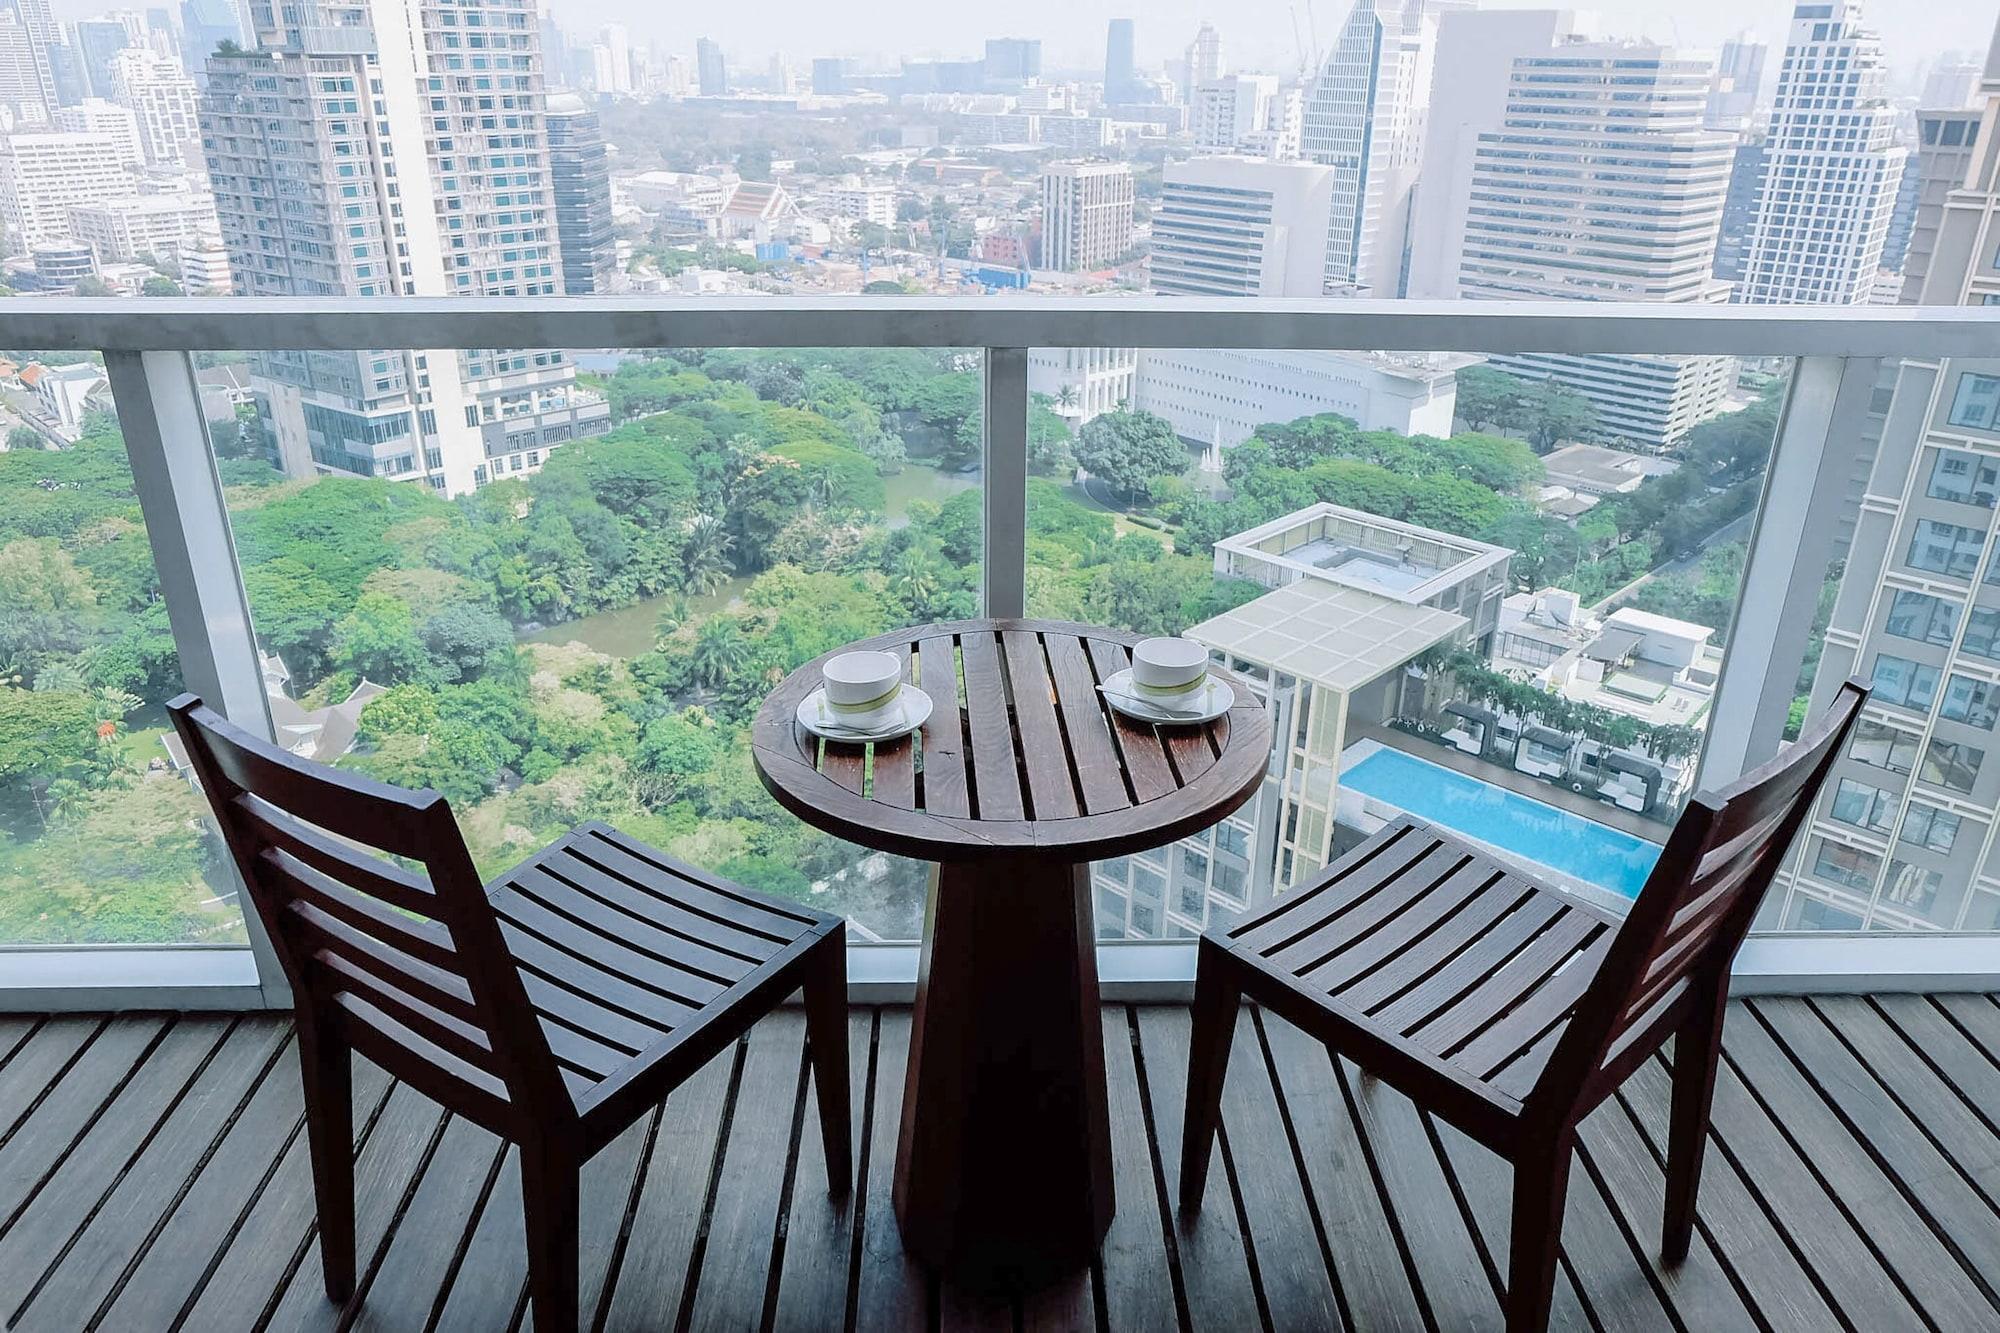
[1168, 669]
[863, 689]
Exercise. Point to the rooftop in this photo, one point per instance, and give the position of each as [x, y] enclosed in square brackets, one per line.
[1338, 637]
[1331, 543]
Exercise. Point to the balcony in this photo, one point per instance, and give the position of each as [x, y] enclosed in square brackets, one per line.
[153, 1175]
[1453, 632]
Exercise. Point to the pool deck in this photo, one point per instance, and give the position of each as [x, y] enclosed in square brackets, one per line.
[1496, 775]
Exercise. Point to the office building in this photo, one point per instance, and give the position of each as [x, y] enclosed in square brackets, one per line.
[1473, 68]
[1086, 214]
[1240, 226]
[1832, 166]
[829, 76]
[1203, 61]
[1216, 398]
[1365, 118]
[291, 119]
[1739, 207]
[162, 98]
[1903, 836]
[1121, 75]
[43, 40]
[97, 115]
[1626, 117]
[44, 175]
[1946, 143]
[97, 40]
[711, 70]
[616, 66]
[205, 25]
[1083, 382]
[1012, 61]
[1732, 95]
[580, 175]
[162, 226]
[23, 96]
[1245, 114]
[1951, 84]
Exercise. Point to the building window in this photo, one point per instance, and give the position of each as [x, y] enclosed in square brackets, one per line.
[1911, 887]
[1952, 765]
[1982, 633]
[1965, 478]
[1849, 867]
[1920, 616]
[1973, 702]
[1977, 402]
[1903, 683]
[1945, 548]
[1881, 746]
[1863, 806]
[1928, 826]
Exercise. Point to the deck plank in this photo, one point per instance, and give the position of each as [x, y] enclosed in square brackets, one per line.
[158, 1179]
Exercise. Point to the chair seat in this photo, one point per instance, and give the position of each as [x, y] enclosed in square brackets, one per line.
[1456, 973]
[629, 957]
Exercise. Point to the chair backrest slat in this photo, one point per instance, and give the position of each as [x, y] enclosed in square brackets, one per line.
[1691, 916]
[409, 968]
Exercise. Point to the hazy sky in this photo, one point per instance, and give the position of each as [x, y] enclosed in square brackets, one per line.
[1256, 34]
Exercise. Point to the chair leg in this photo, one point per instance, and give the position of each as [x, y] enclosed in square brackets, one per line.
[549, 1203]
[1216, 997]
[326, 1070]
[1541, 1189]
[826, 1042]
[1697, 1048]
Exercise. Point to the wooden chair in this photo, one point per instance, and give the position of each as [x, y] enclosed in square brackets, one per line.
[1506, 1008]
[553, 1008]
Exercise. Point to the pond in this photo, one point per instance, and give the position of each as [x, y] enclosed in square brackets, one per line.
[631, 630]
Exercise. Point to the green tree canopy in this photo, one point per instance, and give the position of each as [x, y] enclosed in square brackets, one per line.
[1128, 450]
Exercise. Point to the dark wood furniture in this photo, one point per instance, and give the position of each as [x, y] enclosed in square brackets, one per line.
[1506, 1008]
[1021, 777]
[553, 1008]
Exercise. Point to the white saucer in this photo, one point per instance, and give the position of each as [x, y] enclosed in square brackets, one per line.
[1213, 700]
[912, 704]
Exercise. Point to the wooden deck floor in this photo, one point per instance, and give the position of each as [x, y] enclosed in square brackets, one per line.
[153, 1176]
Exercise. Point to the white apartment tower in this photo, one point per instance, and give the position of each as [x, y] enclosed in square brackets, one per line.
[160, 95]
[377, 147]
[42, 176]
[1832, 166]
[1086, 214]
[1600, 184]
[1247, 114]
[1203, 62]
[1364, 117]
[1903, 836]
[1241, 226]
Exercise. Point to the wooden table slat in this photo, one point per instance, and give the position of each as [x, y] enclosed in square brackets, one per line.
[895, 775]
[1043, 750]
[944, 735]
[1085, 720]
[993, 767]
[1139, 744]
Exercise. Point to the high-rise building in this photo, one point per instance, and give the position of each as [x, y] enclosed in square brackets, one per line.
[1240, 226]
[1947, 140]
[1903, 834]
[22, 95]
[1739, 208]
[1476, 51]
[1601, 185]
[711, 69]
[618, 57]
[1831, 167]
[161, 95]
[1013, 60]
[44, 39]
[1951, 83]
[829, 76]
[205, 25]
[1365, 118]
[97, 40]
[96, 115]
[331, 178]
[1086, 214]
[164, 226]
[1203, 61]
[1230, 113]
[1121, 73]
[43, 175]
[580, 174]
[1739, 74]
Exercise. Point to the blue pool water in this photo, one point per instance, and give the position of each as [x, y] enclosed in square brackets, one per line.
[1564, 842]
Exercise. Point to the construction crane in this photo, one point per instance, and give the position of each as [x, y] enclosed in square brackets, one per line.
[1308, 44]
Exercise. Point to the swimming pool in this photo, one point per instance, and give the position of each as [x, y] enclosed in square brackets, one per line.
[1568, 844]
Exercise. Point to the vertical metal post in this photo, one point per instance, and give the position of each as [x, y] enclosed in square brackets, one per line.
[1813, 458]
[187, 524]
[1004, 414]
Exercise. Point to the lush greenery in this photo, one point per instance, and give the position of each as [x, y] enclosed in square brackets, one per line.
[1475, 680]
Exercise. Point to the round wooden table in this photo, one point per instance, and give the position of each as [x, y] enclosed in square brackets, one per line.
[1021, 777]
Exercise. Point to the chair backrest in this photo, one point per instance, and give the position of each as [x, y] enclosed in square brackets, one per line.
[408, 969]
[1690, 918]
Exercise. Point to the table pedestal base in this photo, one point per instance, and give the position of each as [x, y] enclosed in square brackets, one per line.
[1003, 1164]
